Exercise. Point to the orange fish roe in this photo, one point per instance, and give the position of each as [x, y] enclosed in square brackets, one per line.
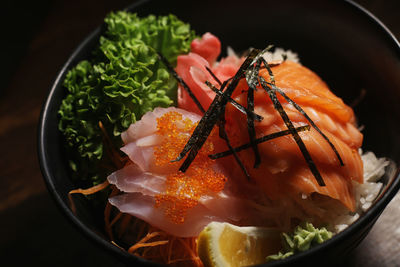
[183, 190]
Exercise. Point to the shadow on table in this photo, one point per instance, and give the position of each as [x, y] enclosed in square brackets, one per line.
[35, 233]
[20, 22]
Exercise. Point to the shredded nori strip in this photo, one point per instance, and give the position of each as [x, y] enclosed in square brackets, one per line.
[302, 112]
[299, 109]
[211, 116]
[295, 134]
[233, 102]
[221, 123]
[242, 109]
[224, 135]
[213, 75]
[258, 141]
[270, 73]
[251, 78]
[181, 81]
[261, 53]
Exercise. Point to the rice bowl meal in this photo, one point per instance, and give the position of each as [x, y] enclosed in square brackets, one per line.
[199, 159]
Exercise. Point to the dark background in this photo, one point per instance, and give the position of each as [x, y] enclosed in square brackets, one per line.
[37, 37]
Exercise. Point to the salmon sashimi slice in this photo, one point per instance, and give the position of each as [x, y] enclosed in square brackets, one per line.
[283, 172]
[305, 87]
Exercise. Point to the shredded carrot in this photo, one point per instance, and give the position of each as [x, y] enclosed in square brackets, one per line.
[142, 241]
[193, 254]
[91, 190]
[167, 250]
[181, 253]
[88, 191]
[149, 243]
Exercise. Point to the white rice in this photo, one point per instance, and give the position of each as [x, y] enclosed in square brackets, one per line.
[276, 55]
[366, 193]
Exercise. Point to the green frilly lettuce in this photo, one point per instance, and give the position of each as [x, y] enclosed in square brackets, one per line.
[303, 238]
[123, 80]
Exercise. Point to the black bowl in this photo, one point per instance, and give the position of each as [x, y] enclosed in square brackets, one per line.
[345, 44]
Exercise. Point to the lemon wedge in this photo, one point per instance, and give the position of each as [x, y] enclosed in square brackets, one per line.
[227, 245]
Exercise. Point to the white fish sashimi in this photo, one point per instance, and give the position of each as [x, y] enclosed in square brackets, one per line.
[143, 207]
[132, 179]
[143, 180]
[148, 124]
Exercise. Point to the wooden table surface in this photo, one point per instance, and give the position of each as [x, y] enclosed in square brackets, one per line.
[37, 38]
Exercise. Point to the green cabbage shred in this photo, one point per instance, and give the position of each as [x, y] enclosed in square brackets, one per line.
[303, 238]
[121, 82]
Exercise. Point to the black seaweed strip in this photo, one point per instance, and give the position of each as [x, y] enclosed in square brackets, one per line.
[213, 75]
[261, 53]
[267, 66]
[271, 65]
[295, 134]
[289, 100]
[194, 137]
[181, 81]
[225, 83]
[222, 131]
[211, 116]
[224, 136]
[252, 82]
[258, 141]
[241, 108]
[252, 75]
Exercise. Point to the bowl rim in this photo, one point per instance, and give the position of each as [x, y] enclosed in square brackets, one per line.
[391, 188]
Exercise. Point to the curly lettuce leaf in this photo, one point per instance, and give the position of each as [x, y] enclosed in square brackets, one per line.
[122, 82]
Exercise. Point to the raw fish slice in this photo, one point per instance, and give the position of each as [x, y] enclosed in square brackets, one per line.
[227, 67]
[186, 66]
[140, 155]
[282, 150]
[132, 179]
[223, 207]
[148, 124]
[192, 69]
[143, 181]
[308, 89]
[143, 207]
[141, 137]
[283, 171]
[346, 131]
[208, 47]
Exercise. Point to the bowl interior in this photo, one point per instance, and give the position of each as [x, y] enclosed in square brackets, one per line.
[343, 44]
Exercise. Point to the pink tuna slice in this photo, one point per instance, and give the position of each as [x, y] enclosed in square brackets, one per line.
[208, 47]
[192, 69]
